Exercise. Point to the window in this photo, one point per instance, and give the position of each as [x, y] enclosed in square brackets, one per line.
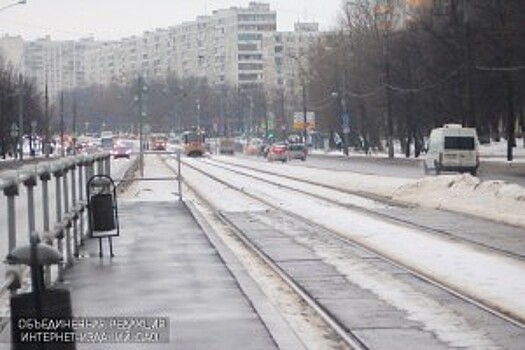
[247, 47]
[465, 143]
[250, 66]
[249, 36]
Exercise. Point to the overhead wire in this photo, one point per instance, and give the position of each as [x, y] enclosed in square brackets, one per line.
[501, 69]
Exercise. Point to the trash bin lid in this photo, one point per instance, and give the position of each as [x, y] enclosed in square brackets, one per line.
[46, 255]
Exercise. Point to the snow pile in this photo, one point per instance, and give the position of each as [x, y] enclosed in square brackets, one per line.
[495, 200]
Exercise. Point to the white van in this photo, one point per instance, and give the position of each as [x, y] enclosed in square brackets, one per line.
[452, 148]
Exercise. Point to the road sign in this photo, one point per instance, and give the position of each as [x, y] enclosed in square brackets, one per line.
[345, 121]
[298, 121]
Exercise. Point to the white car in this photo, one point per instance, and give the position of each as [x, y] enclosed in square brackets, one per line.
[452, 148]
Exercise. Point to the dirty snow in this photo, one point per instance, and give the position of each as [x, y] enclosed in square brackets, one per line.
[497, 279]
[495, 200]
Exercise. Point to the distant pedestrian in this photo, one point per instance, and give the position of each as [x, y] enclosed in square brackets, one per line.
[366, 146]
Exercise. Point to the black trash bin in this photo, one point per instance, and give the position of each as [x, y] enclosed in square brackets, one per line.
[30, 325]
[102, 209]
[31, 312]
[102, 212]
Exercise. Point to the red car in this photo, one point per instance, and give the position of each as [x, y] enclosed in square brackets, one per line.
[121, 151]
[278, 151]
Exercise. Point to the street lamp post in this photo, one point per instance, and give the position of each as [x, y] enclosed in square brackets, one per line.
[47, 141]
[74, 125]
[198, 104]
[14, 136]
[302, 73]
[305, 121]
[141, 89]
[62, 149]
[384, 19]
[20, 117]
[250, 116]
[32, 137]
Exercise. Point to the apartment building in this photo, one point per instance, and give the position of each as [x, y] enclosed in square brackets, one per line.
[225, 47]
[285, 66]
[11, 50]
[229, 46]
[57, 64]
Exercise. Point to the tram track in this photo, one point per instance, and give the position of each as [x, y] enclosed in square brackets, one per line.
[511, 251]
[340, 328]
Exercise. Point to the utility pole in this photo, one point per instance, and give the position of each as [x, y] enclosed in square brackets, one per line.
[346, 123]
[139, 96]
[74, 124]
[250, 121]
[305, 119]
[469, 119]
[389, 123]
[62, 150]
[20, 117]
[198, 103]
[47, 141]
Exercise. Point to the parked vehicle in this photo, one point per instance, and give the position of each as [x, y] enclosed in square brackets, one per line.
[278, 151]
[452, 148]
[297, 151]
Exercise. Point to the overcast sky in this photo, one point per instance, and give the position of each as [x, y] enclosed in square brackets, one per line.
[115, 19]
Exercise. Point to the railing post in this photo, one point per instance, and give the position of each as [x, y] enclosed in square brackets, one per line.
[29, 181]
[11, 192]
[100, 166]
[58, 172]
[81, 190]
[90, 172]
[75, 209]
[108, 165]
[45, 176]
[69, 255]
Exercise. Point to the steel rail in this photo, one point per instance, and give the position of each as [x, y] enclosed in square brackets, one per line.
[343, 332]
[504, 315]
[376, 198]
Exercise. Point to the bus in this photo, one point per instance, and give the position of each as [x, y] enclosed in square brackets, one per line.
[106, 140]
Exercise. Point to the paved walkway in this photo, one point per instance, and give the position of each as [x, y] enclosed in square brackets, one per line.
[165, 266]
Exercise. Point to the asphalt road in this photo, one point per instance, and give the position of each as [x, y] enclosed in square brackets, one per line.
[410, 168]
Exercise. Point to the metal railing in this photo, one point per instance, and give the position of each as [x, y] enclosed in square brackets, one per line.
[68, 229]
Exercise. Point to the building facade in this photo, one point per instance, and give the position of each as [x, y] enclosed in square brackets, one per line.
[237, 46]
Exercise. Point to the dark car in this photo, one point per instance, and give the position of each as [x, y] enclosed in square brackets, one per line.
[121, 151]
[297, 151]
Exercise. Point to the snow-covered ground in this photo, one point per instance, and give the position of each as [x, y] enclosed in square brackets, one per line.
[498, 280]
[493, 151]
[495, 200]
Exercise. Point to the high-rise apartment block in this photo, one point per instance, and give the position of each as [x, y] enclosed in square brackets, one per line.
[238, 46]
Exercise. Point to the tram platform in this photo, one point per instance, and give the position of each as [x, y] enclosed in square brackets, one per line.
[167, 267]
